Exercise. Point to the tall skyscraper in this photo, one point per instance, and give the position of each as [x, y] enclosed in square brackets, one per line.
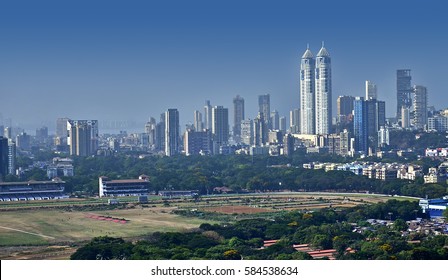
[172, 135]
[404, 90]
[360, 125]
[294, 121]
[369, 117]
[220, 128]
[420, 106]
[345, 105]
[208, 115]
[160, 133]
[307, 93]
[61, 127]
[198, 124]
[264, 109]
[23, 141]
[275, 120]
[315, 92]
[383, 136]
[283, 124]
[11, 157]
[405, 117]
[151, 131]
[7, 132]
[371, 91]
[247, 132]
[3, 157]
[238, 116]
[260, 131]
[323, 92]
[82, 137]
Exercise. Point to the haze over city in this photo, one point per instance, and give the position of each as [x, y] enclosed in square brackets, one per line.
[116, 61]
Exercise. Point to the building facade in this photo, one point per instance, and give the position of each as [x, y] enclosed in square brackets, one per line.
[420, 107]
[371, 90]
[172, 135]
[323, 92]
[128, 187]
[238, 116]
[220, 127]
[404, 90]
[82, 137]
[264, 109]
[307, 93]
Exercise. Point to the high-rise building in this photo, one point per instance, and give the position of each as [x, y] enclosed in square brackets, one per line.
[61, 127]
[380, 114]
[3, 157]
[11, 157]
[369, 117]
[198, 142]
[404, 90]
[160, 134]
[315, 92]
[307, 93]
[275, 120]
[344, 105]
[82, 137]
[405, 117]
[371, 91]
[247, 132]
[383, 136]
[360, 125]
[198, 124]
[238, 116]
[420, 106]
[288, 144]
[220, 127]
[7, 132]
[264, 109]
[42, 134]
[208, 123]
[283, 124]
[151, 131]
[294, 121]
[23, 141]
[260, 131]
[2, 130]
[172, 135]
[323, 92]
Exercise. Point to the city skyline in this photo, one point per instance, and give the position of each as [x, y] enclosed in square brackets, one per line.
[128, 63]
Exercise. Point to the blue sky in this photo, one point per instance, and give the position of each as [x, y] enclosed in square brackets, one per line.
[129, 60]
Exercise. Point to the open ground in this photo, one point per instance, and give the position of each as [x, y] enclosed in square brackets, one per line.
[54, 233]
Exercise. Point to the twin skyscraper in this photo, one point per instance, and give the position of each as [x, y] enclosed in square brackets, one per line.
[315, 92]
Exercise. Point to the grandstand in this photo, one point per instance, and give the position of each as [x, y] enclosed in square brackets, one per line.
[32, 190]
[434, 207]
[128, 187]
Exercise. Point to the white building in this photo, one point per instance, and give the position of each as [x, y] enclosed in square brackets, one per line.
[323, 92]
[307, 93]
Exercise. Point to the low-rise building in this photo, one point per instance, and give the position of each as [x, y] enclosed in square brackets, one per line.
[32, 190]
[127, 187]
[434, 207]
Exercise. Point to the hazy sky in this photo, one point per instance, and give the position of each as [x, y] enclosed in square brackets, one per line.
[129, 60]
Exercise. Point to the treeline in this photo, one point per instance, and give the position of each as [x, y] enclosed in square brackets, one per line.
[326, 229]
[237, 172]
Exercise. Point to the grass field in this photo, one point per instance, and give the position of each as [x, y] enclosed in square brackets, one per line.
[37, 227]
[50, 233]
